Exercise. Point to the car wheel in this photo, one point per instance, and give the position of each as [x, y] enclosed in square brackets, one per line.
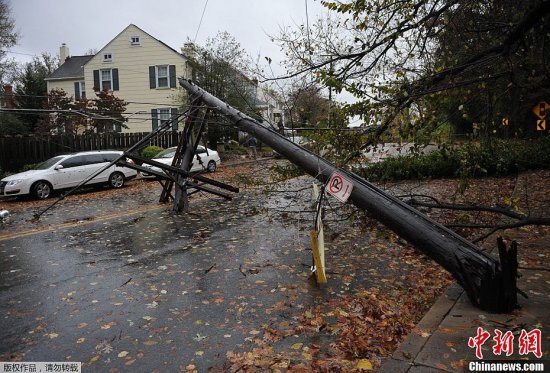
[211, 166]
[41, 189]
[116, 180]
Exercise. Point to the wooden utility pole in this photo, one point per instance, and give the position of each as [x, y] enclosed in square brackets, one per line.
[489, 283]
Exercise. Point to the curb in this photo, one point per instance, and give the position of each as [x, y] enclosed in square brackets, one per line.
[403, 359]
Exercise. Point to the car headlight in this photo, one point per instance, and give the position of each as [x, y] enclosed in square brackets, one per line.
[14, 182]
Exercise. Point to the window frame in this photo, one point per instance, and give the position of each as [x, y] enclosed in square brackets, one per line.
[101, 88]
[167, 77]
[168, 115]
[82, 90]
[162, 115]
[136, 42]
[107, 59]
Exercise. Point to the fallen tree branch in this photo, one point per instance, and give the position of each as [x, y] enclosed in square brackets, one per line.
[522, 219]
[521, 223]
[447, 206]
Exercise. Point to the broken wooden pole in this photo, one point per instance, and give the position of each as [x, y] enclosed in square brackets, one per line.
[488, 284]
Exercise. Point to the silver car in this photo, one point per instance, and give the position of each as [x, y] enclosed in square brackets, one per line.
[67, 171]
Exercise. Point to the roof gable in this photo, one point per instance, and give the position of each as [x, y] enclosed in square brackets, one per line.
[137, 29]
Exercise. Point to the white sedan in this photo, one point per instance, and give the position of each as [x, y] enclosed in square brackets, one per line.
[67, 171]
[205, 159]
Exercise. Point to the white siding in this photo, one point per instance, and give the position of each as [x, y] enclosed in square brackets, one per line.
[133, 64]
[66, 85]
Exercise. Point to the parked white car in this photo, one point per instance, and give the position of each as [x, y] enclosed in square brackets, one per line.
[209, 160]
[67, 171]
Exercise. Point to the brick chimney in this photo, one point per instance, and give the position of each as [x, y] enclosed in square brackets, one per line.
[63, 53]
[8, 97]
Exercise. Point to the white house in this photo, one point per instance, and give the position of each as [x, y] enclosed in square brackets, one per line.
[138, 68]
[144, 72]
[268, 105]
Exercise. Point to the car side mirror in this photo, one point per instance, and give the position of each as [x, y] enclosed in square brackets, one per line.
[58, 167]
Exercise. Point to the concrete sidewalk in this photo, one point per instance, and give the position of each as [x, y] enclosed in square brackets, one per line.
[439, 343]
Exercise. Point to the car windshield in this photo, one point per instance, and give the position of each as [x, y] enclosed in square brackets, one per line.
[167, 153]
[49, 163]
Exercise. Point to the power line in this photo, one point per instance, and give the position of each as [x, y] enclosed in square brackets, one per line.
[200, 22]
[24, 54]
[307, 26]
[91, 99]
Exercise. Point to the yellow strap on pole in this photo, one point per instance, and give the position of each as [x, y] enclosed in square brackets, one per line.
[317, 239]
[319, 265]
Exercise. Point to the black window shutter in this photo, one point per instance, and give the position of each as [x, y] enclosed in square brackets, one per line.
[154, 115]
[174, 115]
[115, 79]
[97, 85]
[77, 91]
[152, 78]
[172, 72]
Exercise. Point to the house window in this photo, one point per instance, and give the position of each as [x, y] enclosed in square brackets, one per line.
[107, 57]
[135, 40]
[106, 79]
[80, 90]
[162, 115]
[162, 76]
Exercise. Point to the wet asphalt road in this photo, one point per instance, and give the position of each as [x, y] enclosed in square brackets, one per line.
[149, 290]
[112, 279]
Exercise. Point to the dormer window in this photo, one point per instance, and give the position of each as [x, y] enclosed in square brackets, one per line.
[135, 40]
[107, 57]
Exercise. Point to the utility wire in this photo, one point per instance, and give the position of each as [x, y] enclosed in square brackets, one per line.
[24, 54]
[307, 26]
[165, 126]
[14, 95]
[200, 22]
[49, 138]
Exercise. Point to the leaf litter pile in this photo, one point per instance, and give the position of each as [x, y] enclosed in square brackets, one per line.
[226, 288]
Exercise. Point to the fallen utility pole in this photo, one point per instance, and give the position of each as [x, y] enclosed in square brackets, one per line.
[489, 283]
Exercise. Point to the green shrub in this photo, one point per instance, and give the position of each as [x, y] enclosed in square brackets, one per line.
[150, 151]
[28, 167]
[491, 158]
[234, 147]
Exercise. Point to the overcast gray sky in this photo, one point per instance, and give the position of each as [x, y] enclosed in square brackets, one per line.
[44, 24]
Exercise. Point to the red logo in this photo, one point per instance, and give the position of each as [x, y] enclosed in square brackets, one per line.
[504, 342]
[530, 342]
[477, 341]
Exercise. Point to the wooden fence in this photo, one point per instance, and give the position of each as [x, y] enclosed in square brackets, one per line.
[18, 151]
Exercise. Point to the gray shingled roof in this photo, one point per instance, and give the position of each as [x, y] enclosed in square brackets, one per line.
[72, 68]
